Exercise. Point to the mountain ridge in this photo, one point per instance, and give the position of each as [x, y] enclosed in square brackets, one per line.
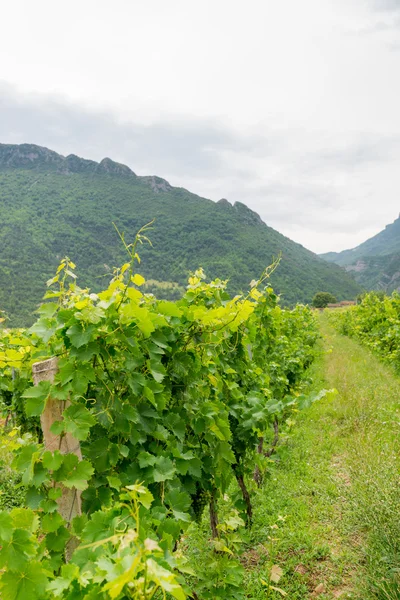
[375, 263]
[54, 206]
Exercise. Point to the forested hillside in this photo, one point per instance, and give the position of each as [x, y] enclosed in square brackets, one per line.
[53, 206]
[375, 263]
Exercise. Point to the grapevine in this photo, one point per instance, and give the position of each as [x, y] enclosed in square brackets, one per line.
[169, 401]
[375, 323]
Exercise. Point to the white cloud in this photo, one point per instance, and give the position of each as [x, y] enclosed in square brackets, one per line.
[290, 107]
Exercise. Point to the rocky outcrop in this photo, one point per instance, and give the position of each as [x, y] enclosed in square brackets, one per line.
[157, 184]
[109, 166]
[358, 267]
[248, 215]
[27, 155]
[36, 157]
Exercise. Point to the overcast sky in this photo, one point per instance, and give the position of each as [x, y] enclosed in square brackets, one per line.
[292, 107]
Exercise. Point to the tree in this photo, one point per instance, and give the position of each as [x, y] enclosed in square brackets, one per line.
[322, 299]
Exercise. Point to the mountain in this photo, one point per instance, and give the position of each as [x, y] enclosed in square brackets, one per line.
[52, 206]
[375, 263]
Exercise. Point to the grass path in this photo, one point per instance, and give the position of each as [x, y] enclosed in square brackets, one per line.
[337, 486]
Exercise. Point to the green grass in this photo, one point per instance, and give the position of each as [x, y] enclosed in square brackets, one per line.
[12, 494]
[369, 427]
[336, 481]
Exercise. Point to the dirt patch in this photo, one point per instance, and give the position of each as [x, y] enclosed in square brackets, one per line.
[252, 558]
[301, 570]
[341, 592]
[320, 589]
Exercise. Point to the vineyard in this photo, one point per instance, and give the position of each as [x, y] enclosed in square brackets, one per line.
[175, 409]
[375, 323]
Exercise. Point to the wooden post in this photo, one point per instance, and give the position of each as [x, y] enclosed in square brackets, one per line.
[69, 503]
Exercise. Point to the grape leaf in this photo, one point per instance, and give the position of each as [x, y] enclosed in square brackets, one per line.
[36, 398]
[146, 459]
[78, 420]
[52, 460]
[138, 279]
[51, 522]
[25, 518]
[79, 335]
[170, 309]
[18, 551]
[6, 526]
[29, 583]
[157, 369]
[163, 469]
[48, 309]
[100, 526]
[74, 473]
[276, 573]
[56, 540]
[60, 584]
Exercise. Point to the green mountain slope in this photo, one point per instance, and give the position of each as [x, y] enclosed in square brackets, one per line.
[375, 263]
[53, 206]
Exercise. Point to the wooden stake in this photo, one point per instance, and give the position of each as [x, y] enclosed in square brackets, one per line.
[69, 503]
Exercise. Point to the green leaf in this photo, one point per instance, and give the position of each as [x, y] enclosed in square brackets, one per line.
[157, 369]
[51, 522]
[78, 523]
[48, 309]
[6, 526]
[84, 353]
[179, 501]
[165, 579]
[26, 460]
[195, 468]
[28, 584]
[148, 393]
[57, 540]
[25, 518]
[44, 328]
[52, 460]
[143, 495]
[114, 481]
[124, 450]
[23, 457]
[79, 335]
[146, 459]
[54, 493]
[36, 398]
[48, 506]
[66, 372]
[39, 476]
[78, 420]
[170, 309]
[224, 450]
[34, 498]
[131, 312]
[176, 424]
[69, 572]
[74, 473]
[136, 382]
[163, 469]
[159, 339]
[100, 526]
[18, 551]
[57, 427]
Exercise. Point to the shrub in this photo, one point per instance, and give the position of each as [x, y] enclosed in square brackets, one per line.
[322, 299]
